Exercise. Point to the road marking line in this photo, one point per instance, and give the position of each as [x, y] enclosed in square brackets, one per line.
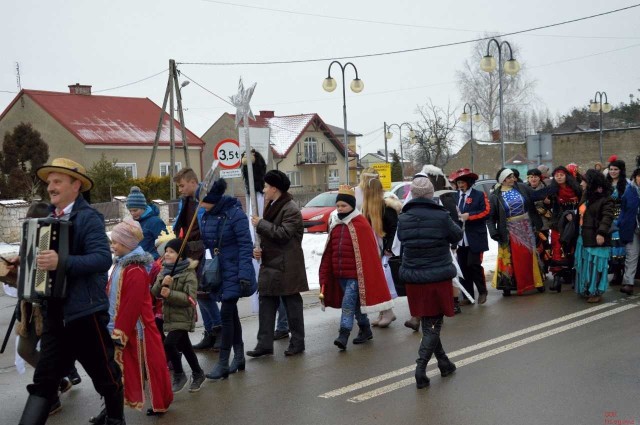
[469, 360]
[371, 381]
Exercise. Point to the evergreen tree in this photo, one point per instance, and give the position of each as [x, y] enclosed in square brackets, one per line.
[106, 176]
[23, 152]
[396, 167]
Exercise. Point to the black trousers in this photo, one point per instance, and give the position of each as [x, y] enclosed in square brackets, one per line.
[267, 319]
[472, 270]
[87, 340]
[176, 342]
[231, 327]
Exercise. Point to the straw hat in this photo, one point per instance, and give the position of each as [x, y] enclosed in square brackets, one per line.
[68, 167]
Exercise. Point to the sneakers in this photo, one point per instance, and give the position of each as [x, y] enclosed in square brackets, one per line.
[196, 382]
[179, 382]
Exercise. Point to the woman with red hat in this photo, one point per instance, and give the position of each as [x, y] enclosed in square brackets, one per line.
[564, 200]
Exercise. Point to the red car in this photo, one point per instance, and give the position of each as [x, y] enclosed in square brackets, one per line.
[315, 214]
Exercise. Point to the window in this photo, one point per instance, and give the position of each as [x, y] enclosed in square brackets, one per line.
[294, 176]
[333, 180]
[131, 168]
[164, 168]
[310, 150]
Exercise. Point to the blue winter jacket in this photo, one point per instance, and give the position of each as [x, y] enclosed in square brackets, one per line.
[236, 250]
[152, 225]
[88, 262]
[627, 221]
[426, 231]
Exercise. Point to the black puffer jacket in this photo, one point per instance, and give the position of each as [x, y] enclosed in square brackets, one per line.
[426, 231]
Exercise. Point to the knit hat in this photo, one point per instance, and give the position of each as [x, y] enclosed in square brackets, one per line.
[215, 193]
[543, 169]
[136, 199]
[128, 233]
[346, 194]
[175, 245]
[421, 187]
[534, 172]
[277, 179]
[503, 174]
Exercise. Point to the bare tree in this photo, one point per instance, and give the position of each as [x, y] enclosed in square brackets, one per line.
[434, 139]
[482, 88]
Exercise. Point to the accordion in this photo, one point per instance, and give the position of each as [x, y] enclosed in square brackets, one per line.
[40, 234]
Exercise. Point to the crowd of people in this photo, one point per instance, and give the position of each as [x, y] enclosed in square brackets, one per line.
[579, 226]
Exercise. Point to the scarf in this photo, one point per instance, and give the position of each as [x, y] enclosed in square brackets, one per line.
[180, 267]
[567, 194]
[272, 210]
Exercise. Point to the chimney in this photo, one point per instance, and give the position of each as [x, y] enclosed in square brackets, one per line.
[495, 135]
[78, 88]
[266, 114]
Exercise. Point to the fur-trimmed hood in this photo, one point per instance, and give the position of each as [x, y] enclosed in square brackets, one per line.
[394, 203]
[144, 259]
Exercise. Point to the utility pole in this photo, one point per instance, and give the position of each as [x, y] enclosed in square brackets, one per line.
[172, 95]
[384, 134]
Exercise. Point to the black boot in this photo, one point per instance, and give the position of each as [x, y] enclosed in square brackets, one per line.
[100, 418]
[446, 366]
[238, 362]
[207, 342]
[221, 369]
[36, 411]
[422, 381]
[342, 339]
[114, 406]
[364, 335]
[111, 421]
[217, 337]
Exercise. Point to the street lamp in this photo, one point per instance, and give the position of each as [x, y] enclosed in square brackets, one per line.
[475, 118]
[388, 135]
[596, 105]
[329, 84]
[511, 67]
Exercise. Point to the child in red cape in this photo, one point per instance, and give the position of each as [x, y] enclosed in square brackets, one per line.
[133, 328]
[345, 282]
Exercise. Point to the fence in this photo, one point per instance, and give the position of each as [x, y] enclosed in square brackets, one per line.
[110, 211]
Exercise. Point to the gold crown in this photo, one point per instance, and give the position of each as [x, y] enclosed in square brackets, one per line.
[345, 189]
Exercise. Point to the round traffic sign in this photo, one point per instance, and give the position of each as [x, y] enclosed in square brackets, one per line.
[227, 151]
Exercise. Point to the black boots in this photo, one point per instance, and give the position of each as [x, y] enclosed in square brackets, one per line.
[207, 342]
[343, 338]
[364, 335]
[221, 369]
[421, 374]
[429, 345]
[36, 411]
[238, 362]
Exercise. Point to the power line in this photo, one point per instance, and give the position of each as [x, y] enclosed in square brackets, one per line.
[417, 49]
[134, 82]
[205, 89]
[396, 24]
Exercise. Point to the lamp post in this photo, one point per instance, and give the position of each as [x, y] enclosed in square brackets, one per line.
[388, 135]
[475, 118]
[511, 67]
[329, 84]
[596, 105]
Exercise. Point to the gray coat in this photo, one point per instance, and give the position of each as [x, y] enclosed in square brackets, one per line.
[282, 271]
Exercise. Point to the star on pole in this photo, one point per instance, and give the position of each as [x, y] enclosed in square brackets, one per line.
[241, 101]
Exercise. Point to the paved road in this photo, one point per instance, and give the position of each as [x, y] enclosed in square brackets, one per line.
[538, 359]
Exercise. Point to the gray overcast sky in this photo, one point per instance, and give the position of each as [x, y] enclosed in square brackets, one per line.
[110, 43]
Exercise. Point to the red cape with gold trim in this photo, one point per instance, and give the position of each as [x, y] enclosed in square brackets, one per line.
[139, 358]
[372, 284]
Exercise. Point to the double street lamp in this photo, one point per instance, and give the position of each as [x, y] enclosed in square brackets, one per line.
[511, 67]
[388, 135]
[329, 84]
[596, 105]
[475, 118]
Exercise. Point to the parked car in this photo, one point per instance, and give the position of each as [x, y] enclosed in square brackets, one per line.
[315, 214]
[485, 185]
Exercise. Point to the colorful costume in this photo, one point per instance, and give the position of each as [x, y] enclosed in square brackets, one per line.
[141, 353]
